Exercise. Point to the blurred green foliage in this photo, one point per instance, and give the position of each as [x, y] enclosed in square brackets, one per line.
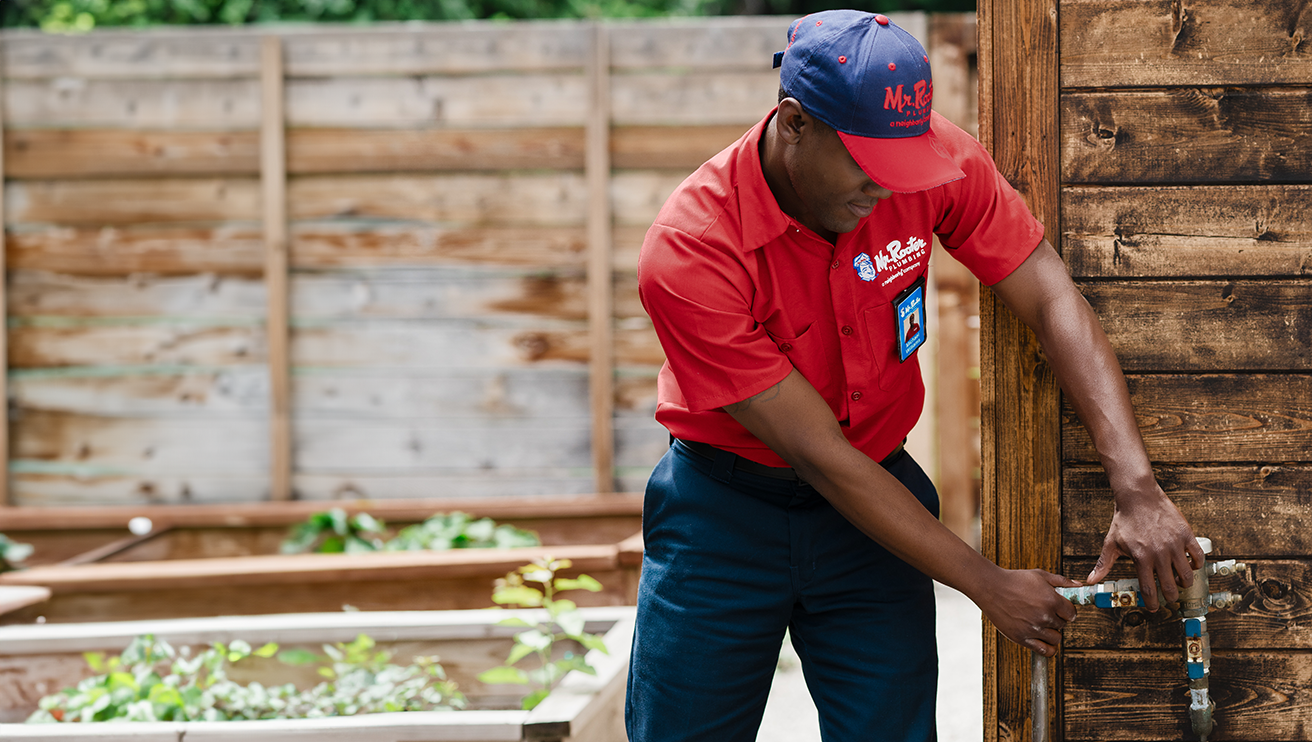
[84, 15]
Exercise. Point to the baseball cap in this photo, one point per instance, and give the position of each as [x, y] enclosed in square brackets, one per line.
[869, 80]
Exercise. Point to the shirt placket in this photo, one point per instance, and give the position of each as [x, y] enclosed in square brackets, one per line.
[851, 341]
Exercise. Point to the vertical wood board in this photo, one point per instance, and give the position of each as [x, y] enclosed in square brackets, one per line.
[273, 178]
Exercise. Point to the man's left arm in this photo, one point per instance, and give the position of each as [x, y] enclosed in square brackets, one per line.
[1146, 526]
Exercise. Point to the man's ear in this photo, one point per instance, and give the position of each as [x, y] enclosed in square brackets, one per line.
[791, 122]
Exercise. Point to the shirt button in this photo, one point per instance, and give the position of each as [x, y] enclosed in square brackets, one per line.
[847, 330]
[786, 347]
[835, 265]
[856, 396]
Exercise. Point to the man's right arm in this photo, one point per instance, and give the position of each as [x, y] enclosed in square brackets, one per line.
[794, 421]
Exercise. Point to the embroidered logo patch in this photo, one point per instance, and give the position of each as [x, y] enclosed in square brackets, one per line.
[865, 267]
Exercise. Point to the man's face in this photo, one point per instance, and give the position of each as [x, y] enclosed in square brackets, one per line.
[832, 187]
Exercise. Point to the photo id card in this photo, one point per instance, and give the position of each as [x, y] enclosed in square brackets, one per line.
[909, 316]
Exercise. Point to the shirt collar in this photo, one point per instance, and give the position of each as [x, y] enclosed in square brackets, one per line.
[763, 220]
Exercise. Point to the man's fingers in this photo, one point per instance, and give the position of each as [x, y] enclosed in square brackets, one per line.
[1105, 561]
[1044, 648]
[1185, 568]
[1147, 586]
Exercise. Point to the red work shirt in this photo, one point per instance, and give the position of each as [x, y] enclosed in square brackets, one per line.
[740, 293]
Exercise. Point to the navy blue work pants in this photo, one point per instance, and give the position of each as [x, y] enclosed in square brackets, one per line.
[732, 560]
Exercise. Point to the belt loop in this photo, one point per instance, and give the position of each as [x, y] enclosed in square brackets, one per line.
[722, 468]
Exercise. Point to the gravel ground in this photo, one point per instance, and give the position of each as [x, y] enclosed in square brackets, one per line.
[790, 715]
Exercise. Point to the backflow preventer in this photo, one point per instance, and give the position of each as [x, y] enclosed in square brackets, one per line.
[1194, 603]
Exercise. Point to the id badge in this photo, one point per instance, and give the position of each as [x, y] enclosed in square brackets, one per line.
[910, 319]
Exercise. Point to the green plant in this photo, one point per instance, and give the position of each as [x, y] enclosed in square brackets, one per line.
[12, 553]
[335, 532]
[560, 620]
[150, 681]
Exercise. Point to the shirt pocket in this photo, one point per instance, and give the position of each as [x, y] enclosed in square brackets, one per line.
[813, 358]
[894, 375]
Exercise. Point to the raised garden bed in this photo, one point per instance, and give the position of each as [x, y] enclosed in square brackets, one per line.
[35, 660]
[224, 560]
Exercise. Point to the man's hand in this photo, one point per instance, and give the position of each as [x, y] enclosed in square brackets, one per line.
[1148, 528]
[1023, 605]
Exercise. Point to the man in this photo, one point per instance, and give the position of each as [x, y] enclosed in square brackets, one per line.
[778, 278]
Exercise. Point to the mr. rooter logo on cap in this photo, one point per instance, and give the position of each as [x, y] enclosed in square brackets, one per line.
[870, 81]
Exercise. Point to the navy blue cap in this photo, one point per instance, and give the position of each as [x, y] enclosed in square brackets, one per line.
[870, 81]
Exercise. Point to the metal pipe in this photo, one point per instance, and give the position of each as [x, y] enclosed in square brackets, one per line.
[1038, 698]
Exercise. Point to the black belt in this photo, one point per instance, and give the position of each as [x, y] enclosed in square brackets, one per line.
[707, 451]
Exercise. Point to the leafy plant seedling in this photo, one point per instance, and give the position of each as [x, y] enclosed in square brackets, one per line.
[12, 554]
[560, 620]
[151, 681]
[334, 532]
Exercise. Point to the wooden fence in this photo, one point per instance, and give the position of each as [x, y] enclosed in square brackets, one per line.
[335, 262]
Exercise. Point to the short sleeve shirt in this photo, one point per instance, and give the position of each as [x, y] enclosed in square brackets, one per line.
[740, 294]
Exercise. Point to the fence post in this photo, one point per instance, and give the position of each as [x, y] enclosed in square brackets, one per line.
[6, 497]
[273, 180]
[600, 274]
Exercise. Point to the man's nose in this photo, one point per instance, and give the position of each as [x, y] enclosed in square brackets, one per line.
[876, 191]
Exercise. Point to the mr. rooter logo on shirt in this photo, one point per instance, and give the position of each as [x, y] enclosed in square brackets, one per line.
[896, 257]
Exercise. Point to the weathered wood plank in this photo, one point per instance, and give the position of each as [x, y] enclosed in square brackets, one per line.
[396, 49]
[1187, 135]
[679, 147]
[227, 250]
[5, 498]
[243, 391]
[600, 284]
[1212, 418]
[362, 150]
[412, 293]
[136, 344]
[1020, 412]
[133, 202]
[231, 447]
[699, 98]
[1143, 696]
[382, 344]
[1274, 613]
[156, 53]
[532, 100]
[237, 250]
[540, 199]
[37, 489]
[1177, 232]
[1247, 511]
[79, 153]
[76, 153]
[1207, 325]
[204, 105]
[1143, 43]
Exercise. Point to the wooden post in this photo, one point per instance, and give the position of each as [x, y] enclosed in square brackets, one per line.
[951, 40]
[1021, 509]
[273, 178]
[600, 281]
[6, 498]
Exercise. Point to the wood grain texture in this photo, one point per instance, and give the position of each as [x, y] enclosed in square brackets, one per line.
[1144, 696]
[41, 486]
[364, 394]
[277, 318]
[1249, 512]
[677, 147]
[1206, 326]
[158, 53]
[1187, 135]
[77, 153]
[1178, 232]
[5, 496]
[1141, 43]
[600, 275]
[1021, 505]
[379, 344]
[1274, 613]
[137, 446]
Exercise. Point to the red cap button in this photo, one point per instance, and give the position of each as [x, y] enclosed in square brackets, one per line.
[881, 19]
[847, 330]
[856, 396]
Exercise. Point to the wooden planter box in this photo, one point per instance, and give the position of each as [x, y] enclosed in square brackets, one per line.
[223, 560]
[35, 660]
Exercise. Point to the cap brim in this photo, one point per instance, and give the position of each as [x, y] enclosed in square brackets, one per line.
[904, 165]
